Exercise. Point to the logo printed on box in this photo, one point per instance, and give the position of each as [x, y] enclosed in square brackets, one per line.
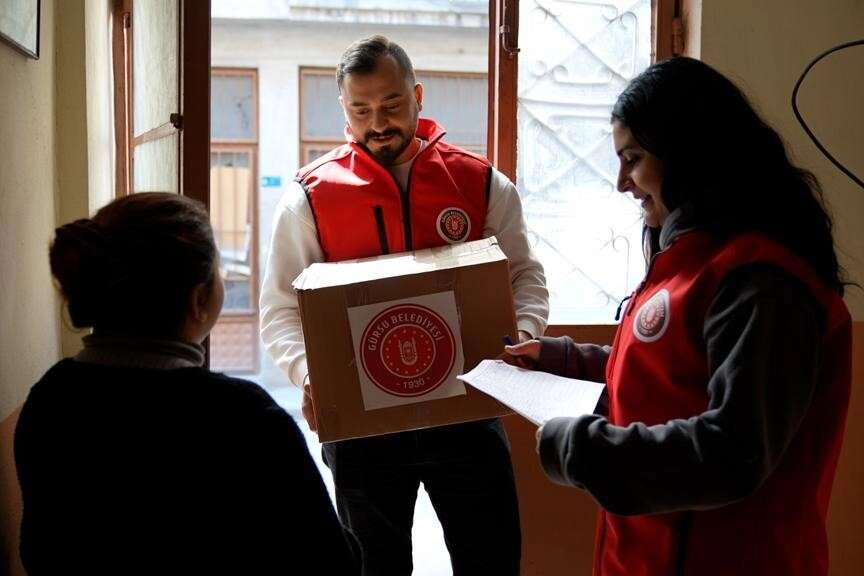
[407, 350]
[453, 225]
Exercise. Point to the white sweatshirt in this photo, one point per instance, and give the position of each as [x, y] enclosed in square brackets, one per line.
[294, 246]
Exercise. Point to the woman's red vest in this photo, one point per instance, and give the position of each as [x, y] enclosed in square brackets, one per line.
[658, 371]
[360, 210]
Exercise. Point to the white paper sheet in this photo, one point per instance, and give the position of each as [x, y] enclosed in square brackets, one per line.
[538, 396]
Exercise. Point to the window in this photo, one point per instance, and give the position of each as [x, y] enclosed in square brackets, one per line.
[160, 130]
[573, 60]
[456, 100]
[147, 133]
[233, 202]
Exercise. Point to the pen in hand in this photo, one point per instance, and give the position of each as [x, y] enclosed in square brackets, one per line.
[515, 360]
[524, 355]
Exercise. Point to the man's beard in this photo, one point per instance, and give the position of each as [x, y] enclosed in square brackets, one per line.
[387, 155]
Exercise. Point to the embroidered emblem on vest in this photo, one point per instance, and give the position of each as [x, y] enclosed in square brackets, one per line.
[453, 225]
[652, 319]
[408, 350]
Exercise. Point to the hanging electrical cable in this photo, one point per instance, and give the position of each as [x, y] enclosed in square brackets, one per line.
[804, 125]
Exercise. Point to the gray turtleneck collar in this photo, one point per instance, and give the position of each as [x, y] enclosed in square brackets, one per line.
[139, 352]
[679, 221]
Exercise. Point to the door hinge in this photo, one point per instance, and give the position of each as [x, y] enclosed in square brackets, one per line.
[509, 47]
[677, 36]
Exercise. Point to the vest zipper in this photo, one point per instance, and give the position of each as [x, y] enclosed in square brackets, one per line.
[406, 211]
[629, 310]
[405, 200]
[406, 195]
[601, 542]
[382, 229]
[684, 529]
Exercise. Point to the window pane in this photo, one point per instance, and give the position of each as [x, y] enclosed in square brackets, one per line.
[237, 294]
[322, 115]
[575, 59]
[459, 104]
[232, 110]
[155, 165]
[231, 217]
[154, 40]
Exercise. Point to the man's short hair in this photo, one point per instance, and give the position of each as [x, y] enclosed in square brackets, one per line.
[363, 56]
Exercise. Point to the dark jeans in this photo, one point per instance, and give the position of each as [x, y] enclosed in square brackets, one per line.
[466, 470]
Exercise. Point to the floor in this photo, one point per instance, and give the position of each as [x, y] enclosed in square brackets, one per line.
[430, 553]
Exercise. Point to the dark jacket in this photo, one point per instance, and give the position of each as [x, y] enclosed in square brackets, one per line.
[136, 470]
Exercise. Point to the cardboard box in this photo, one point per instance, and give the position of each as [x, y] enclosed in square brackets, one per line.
[386, 337]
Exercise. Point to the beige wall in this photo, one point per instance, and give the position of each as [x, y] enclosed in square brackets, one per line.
[28, 211]
[83, 111]
[29, 325]
[55, 166]
[71, 129]
[765, 46]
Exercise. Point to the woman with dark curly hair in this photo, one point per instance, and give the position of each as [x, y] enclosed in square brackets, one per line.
[133, 458]
[729, 376]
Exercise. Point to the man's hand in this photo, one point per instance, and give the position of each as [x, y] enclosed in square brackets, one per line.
[308, 408]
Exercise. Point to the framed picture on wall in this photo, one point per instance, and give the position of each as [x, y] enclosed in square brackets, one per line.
[19, 25]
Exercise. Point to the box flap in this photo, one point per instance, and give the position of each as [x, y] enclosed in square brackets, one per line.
[327, 274]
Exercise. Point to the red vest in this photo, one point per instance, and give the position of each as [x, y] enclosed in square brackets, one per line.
[780, 529]
[360, 211]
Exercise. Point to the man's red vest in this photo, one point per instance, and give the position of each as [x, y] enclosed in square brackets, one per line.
[658, 372]
[360, 211]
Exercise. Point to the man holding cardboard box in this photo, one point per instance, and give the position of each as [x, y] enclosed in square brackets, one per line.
[396, 187]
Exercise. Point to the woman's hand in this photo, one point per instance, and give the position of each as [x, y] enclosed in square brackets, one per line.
[525, 354]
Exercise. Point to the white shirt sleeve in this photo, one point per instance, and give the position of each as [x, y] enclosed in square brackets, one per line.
[504, 220]
[293, 246]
